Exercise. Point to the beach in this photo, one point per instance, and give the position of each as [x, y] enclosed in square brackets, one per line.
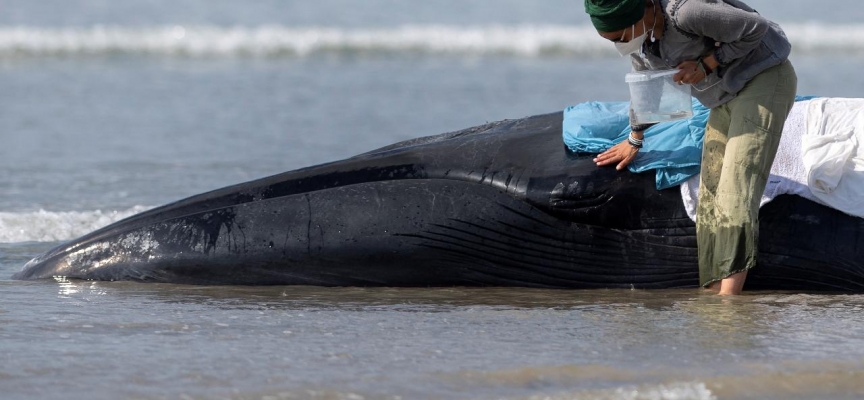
[110, 109]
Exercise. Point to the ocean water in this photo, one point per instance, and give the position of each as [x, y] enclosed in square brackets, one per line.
[108, 108]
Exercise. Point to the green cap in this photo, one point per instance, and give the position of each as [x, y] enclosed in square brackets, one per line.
[614, 15]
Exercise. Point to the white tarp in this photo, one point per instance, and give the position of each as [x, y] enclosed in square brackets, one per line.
[818, 158]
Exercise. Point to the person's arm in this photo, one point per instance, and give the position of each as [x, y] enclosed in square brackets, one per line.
[738, 30]
[623, 153]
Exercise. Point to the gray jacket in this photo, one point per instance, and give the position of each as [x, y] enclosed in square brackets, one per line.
[744, 42]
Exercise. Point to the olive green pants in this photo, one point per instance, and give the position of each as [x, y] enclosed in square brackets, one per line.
[741, 140]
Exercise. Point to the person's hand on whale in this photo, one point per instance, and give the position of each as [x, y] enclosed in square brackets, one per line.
[622, 153]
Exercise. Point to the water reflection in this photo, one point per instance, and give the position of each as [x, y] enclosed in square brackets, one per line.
[68, 289]
[723, 322]
[717, 312]
[432, 343]
[668, 324]
[407, 298]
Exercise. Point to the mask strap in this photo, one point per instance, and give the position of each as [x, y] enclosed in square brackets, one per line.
[623, 33]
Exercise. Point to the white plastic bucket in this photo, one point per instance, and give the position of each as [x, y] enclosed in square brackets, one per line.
[655, 97]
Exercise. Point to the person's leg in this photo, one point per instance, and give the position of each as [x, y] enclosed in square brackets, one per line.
[756, 123]
[734, 284]
[713, 151]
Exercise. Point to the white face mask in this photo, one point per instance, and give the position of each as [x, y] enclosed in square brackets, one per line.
[634, 45]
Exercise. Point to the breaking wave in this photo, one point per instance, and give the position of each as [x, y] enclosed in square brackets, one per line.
[281, 41]
[47, 226]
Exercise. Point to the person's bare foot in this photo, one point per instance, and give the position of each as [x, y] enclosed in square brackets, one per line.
[733, 284]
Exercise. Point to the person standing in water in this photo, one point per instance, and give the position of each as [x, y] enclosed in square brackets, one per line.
[737, 63]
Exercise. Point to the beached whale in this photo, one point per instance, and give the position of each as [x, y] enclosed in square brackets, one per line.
[502, 204]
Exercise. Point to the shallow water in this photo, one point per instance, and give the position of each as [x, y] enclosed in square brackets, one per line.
[105, 340]
[109, 108]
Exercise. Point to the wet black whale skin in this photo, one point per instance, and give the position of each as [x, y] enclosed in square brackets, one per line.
[502, 204]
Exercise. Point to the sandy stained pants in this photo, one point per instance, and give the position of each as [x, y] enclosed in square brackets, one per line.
[741, 140]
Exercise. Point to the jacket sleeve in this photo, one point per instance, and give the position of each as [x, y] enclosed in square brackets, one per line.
[739, 30]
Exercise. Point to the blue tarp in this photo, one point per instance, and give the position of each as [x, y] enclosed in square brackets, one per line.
[673, 148]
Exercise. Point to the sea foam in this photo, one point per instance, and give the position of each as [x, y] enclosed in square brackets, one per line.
[48, 226]
[282, 41]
